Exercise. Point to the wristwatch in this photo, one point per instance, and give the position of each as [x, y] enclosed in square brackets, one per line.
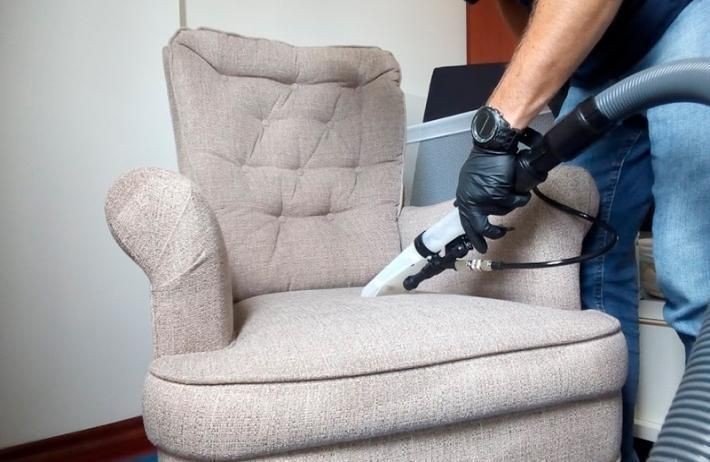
[492, 132]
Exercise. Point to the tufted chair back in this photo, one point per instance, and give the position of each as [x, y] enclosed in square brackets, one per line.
[298, 151]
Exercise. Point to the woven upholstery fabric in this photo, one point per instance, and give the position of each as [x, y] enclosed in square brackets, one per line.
[541, 233]
[580, 431]
[161, 221]
[332, 333]
[315, 368]
[297, 150]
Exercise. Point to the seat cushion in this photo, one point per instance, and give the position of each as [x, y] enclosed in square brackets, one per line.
[312, 368]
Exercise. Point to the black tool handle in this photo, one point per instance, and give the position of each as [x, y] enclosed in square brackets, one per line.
[413, 281]
[568, 138]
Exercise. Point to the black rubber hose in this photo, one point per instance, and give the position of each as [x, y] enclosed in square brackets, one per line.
[685, 435]
[612, 239]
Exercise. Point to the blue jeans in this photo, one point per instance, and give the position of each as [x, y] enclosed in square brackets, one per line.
[662, 155]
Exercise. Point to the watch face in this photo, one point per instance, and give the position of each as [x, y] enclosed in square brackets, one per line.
[484, 125]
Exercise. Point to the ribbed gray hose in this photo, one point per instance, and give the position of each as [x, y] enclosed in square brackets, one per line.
[685, 435]
[686, 80]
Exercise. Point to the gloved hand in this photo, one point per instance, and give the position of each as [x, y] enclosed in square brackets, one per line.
[486, 183]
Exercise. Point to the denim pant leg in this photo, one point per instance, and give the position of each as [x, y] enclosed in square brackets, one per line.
[680, 150]
[621, 166]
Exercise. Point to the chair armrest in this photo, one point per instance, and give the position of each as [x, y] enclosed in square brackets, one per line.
[541, 233]
[159, 219]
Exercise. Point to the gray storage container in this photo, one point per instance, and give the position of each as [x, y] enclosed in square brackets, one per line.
[444, 145]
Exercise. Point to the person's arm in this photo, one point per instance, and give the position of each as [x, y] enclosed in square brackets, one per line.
[515, 14]
[558, 37]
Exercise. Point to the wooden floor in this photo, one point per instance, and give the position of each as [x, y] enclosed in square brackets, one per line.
[122, 440]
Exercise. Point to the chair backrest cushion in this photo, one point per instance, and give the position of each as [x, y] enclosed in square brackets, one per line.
[298, 150]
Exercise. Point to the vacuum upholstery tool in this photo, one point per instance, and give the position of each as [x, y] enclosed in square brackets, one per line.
[443, 246]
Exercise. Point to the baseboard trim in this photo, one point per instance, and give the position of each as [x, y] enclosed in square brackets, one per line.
[105, 443]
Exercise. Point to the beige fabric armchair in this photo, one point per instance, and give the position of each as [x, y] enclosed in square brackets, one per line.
[288, 201]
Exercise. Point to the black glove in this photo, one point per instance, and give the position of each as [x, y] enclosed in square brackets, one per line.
[486, 183]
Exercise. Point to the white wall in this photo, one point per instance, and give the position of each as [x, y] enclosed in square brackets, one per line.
[82, 100]
[422, 34]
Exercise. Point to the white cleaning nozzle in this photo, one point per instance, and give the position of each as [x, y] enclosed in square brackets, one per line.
[443, 231]
[391, 279]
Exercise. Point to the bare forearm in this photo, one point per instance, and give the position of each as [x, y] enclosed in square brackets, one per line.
[559, 36]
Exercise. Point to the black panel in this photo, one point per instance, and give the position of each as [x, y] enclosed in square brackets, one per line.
[457, 89]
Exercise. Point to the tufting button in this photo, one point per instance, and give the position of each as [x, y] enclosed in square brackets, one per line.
[330, 216]
[358, 169]
[282, 219]
[330, 124]
[294, 85]
[299, 172]
[265, 123]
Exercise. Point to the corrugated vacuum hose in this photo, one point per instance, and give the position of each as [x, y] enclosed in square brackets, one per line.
[685, 435]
